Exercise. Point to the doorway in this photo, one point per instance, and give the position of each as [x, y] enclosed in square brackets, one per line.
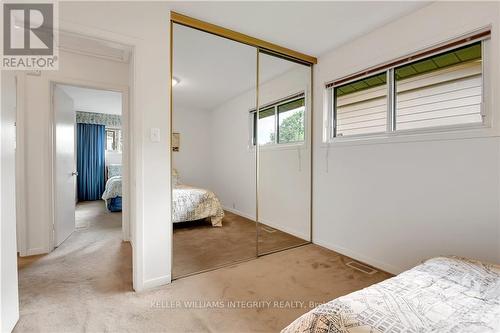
[88, 256]
[88, 153]
[73, 244]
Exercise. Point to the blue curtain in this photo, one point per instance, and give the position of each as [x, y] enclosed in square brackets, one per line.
[90, 161]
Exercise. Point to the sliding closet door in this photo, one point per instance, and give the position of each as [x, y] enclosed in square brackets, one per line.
[214, 160]
[282, 132]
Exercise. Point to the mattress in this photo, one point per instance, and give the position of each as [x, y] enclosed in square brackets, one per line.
[444, 294]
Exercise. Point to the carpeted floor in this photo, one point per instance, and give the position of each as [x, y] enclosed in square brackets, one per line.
[199, 246]
[85, 286]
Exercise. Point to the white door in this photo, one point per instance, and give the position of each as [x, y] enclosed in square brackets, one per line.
[65, 165]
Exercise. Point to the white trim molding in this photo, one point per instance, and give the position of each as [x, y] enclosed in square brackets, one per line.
[156, 282]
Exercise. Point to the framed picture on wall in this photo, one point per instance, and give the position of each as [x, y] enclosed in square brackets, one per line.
[176, 140]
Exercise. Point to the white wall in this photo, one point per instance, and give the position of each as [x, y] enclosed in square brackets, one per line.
[145, 26]
[393, 202]
[113, 157]
[193, 160]
[9, 303]
[36, 118]
[233, 162]
[284, 172]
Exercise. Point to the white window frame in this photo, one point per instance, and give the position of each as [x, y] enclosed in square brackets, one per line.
[118, 132]
[275, 104]
[391, 131]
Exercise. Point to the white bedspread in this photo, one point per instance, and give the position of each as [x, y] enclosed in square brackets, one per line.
[440, 295]
[191, 203]
[113, 188]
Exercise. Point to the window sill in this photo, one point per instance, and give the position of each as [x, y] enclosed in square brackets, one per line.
[419, 135]
[284, 146]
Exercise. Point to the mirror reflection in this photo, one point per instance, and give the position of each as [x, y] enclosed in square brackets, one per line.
[284, 156]
[241, 173]
[214, 176]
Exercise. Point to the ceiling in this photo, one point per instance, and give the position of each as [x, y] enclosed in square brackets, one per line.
[309, 27]
[93, 100]
[212, 70]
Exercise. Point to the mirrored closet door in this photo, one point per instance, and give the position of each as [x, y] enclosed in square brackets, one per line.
[214, 183]
[241, 150]
[282, 132]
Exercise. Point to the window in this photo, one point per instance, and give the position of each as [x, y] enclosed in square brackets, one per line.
[113, 139]
[438, 89]
[442, 90]
[267, 119]
[280, 122]
[361, 106]
[291, 121]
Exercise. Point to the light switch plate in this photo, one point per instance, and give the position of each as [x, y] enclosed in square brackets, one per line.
[155, 134]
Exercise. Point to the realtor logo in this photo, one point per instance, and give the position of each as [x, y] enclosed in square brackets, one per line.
[36, 23]
[29, 34]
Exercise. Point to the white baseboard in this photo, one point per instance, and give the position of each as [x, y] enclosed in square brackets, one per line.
[361, 257]
[287, 230]
[237, 212]
[156, 282]
[269, 223]
[35, 251]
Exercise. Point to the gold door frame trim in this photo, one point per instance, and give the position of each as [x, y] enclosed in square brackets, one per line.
[171, 129]
[239, 37]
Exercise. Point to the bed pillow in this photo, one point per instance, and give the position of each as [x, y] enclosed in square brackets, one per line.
[114, 170]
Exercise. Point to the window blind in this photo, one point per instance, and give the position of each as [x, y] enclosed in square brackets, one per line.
[469, 39]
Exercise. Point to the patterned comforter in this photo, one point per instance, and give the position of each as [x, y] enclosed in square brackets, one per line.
[190, 204]
[440, 295]
[113, 188]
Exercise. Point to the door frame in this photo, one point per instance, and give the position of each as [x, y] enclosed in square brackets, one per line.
[124, 90]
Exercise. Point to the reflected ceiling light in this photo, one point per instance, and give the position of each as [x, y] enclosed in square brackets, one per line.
[175, 81]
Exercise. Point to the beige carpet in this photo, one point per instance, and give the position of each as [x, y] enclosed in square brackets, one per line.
[85, 286]
[199, 246]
